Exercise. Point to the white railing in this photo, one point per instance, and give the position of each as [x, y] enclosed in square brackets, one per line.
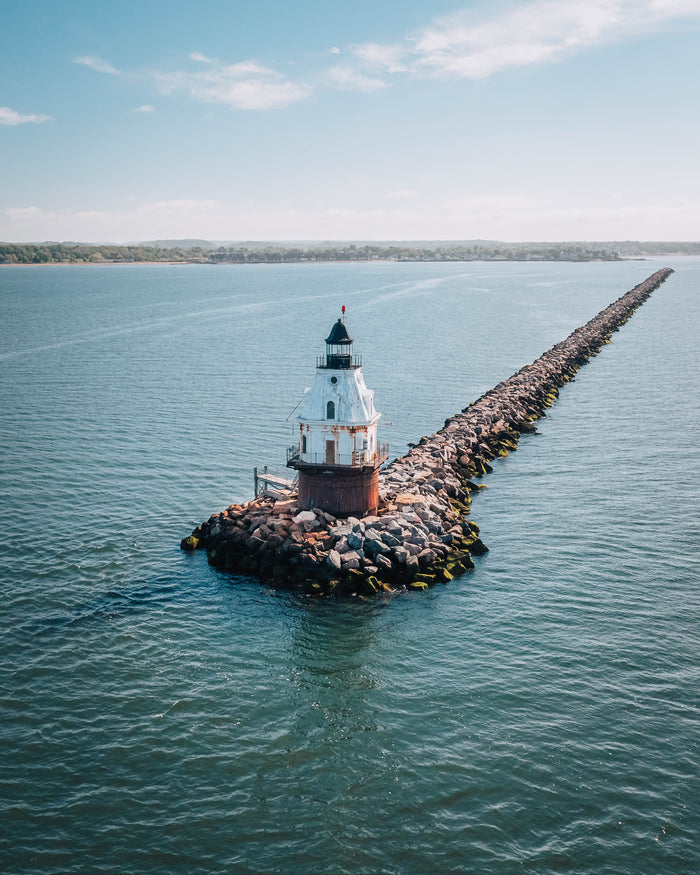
[348, 460]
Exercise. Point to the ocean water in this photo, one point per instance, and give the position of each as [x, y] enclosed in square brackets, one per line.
[539, 715]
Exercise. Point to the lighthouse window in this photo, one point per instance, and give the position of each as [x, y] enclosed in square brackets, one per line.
[334, 379]
[330, 410]
[303, 443]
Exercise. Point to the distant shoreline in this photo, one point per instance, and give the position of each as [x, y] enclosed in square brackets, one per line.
[348, 261]
[271, 253]
[103, 264]
[435, 252]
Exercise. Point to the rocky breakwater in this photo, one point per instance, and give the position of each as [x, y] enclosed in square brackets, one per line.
[420, 535]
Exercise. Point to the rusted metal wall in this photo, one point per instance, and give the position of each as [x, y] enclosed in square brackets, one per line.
[341, 493]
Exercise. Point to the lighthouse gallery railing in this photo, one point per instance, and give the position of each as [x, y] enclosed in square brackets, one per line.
[357, 459]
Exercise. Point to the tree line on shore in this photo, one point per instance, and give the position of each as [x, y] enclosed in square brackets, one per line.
[78, 253]
[82, 253]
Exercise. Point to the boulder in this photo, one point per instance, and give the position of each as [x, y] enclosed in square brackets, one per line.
[333, 560]
[383, 563]
[412, 566]
[189, 543]
[427, 557]
[373, 546]
[350, 560]
[355, 541]
[400, 554]
[305, 516]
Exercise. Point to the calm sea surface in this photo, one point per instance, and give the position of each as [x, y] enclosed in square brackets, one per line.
[157, 716]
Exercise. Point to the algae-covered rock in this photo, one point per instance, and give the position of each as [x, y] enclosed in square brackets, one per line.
[371, 585]
[417, 585]
[189, 543]
[456, 569]
[478, 548]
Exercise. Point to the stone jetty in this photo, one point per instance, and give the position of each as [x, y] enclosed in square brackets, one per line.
[421, 534]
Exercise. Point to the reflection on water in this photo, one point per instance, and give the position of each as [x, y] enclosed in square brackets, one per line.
[331, 671]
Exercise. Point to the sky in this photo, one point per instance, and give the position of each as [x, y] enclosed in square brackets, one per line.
[513, 120]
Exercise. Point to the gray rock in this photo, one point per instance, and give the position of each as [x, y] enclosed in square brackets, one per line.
[401, 554]
[333, 560]
[342, 546]
[420, 541]
[374, 547]
[427, 557]
[350, 556]
[305, 516]
[355, 541]
[412, 566]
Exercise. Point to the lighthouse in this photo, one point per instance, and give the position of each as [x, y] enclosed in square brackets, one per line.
[338, 454]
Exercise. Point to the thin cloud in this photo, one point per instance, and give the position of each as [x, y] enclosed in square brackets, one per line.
[353, 79]
[245, 85]
[146, 107]
[391, 57]
[11, 118]
[98, 64]
[473, 44]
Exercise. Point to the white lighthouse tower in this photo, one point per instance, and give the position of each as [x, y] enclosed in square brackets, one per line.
[338, 454]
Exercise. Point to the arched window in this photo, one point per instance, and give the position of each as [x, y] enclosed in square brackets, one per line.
[330, 410]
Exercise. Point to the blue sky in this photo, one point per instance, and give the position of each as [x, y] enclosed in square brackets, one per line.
[330, 119]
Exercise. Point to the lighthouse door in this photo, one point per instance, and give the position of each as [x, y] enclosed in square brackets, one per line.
[330, 452]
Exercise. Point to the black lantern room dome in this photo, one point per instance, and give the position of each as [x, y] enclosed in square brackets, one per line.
[339, 333]
[339, 349]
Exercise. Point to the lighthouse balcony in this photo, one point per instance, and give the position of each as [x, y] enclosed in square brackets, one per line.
[338, 361]
[359, 460]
